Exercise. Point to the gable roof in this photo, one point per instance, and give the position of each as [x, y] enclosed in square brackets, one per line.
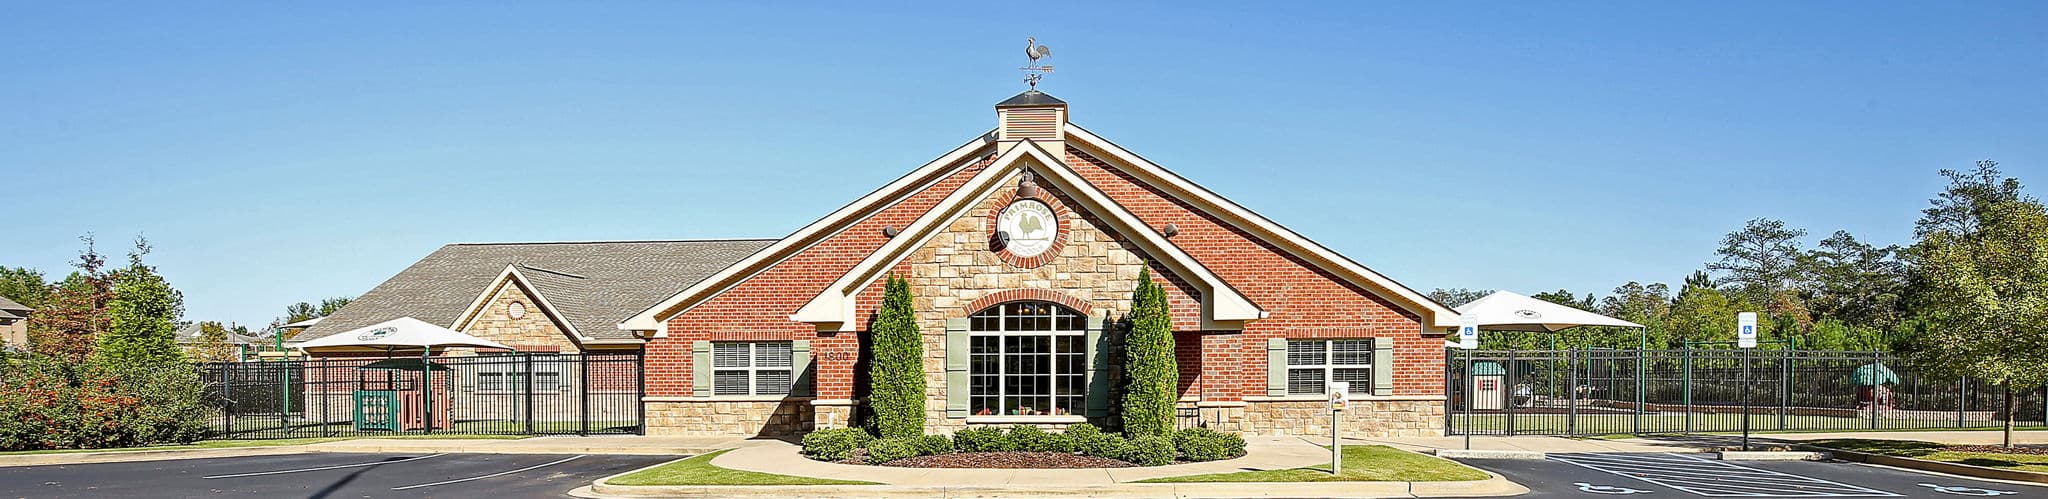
[1220, 303]
[592, 284]
[7, 305]
[1436, 315]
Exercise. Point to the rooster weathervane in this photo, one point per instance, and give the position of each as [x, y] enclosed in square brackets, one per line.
[1033, 71]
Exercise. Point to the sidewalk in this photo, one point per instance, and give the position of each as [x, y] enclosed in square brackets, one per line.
[1684, 443]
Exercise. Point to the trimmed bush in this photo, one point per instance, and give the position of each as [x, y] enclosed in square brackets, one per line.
[1149, 367]
[1203, 444]
[897, 369]
[1033, 439]
[835, 444]
[982, 439]
[891, 449]
[932, 445]
[1093, 441]
[1150, 451]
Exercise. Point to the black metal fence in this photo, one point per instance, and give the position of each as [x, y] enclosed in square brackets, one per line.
[1596, 392]
[524, 394]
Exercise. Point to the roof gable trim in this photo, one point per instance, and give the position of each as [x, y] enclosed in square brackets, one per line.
[1440, 315]
[509, 277]
[1223, 307]
[651, 319]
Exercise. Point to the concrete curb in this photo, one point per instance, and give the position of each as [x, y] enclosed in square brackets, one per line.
[1934, 466]
[1492, 487]
[1735, 455]
[458, 449]
[122, 456]
[1490, 454]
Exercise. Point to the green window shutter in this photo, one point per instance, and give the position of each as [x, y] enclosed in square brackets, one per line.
[1098, 369]
[1276, 367]
[800, 361]
[1383, 366]
[956, 368]
[700, 367]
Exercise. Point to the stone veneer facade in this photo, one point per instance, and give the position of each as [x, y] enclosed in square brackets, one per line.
[535, 331]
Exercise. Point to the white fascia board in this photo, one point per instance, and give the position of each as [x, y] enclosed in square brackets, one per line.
[833, 307]
[1440, 315]
[652, 317]
[1223, 307]
[497, 287]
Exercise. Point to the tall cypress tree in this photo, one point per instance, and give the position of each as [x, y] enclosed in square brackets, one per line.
[897, 370]
[1149, 369]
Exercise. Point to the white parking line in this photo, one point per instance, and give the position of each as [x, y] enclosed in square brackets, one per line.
[323, 468]
[498, 474]
[1715, 478]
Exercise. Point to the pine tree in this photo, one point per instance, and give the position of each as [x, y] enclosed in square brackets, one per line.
[897, 369]
[1153, 379]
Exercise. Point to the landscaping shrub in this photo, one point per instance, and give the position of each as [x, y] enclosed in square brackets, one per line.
[1203, 444]
[45, 404]
[897, 369]
[891, 449]
[1093, 441]
[1150, 451]
[1150, 374]
[1033, 439]
[835, 444]
[982, 439]
[932, 445]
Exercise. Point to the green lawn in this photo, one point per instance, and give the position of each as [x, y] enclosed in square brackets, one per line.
[1362, 463]
[699, 471]
[1934, 452]
[232, 444]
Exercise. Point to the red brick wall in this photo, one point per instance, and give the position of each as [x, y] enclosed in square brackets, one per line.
[1301, 300]
[1297, 296]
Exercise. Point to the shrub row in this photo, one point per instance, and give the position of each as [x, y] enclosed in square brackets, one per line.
[46, 404]
[1193, 444]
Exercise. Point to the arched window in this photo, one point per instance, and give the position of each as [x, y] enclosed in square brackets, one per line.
[1028, 358]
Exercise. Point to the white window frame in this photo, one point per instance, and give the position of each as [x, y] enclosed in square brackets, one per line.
[752, 369]
[513, 378]
[1329, 366]
[1054, 373]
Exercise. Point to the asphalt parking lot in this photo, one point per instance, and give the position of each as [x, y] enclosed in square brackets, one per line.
[323, 475]
[1682, 476]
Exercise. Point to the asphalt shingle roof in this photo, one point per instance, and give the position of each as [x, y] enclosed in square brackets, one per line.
[13, 306]
[593, 285]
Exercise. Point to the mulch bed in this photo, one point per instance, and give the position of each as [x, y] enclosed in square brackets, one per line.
[1009, 460]
[1994, 449]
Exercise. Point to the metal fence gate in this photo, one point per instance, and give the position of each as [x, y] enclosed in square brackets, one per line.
[1600, 392]
[522, 394]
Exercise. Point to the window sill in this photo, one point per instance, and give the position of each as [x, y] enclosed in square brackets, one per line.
[1064, 419]
[728, 398]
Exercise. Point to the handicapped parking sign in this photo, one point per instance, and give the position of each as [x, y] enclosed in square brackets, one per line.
[1745, 330]
[1468, 333]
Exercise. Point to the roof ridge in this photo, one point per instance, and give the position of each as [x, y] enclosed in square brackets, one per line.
[550, 271]
[620, 241]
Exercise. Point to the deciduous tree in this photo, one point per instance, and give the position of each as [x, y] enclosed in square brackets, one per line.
[142, 316]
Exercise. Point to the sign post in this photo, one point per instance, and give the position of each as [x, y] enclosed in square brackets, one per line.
[1745, 338]
[1468, 339]
[1340, 392]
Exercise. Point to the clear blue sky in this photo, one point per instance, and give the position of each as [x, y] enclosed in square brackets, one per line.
[278, 154]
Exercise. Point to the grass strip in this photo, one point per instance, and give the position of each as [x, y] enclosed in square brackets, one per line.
[699, 471]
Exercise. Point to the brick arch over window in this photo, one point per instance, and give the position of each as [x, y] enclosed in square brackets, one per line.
[1010, 295]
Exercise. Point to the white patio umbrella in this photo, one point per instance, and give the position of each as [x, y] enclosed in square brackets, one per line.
[404, 333]
[1509, 311]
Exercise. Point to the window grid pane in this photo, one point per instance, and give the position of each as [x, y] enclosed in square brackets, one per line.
[1351, 352]
[1305, 353]
[725, 354]
[1039, 370]
[730, 383]
[1305, 381]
